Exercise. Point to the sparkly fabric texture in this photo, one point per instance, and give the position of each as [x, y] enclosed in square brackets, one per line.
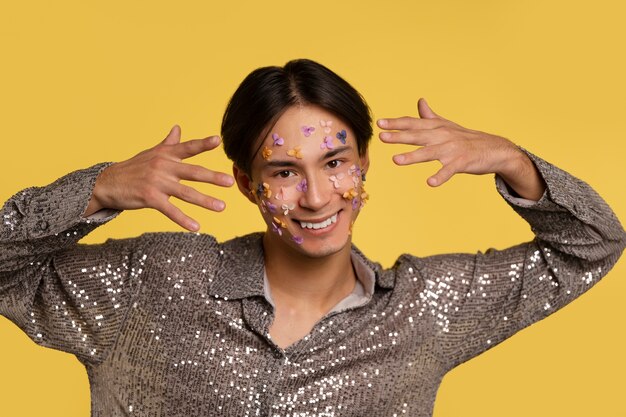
[176, 324]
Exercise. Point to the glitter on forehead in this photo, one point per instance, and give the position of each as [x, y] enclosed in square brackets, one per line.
[327, 143]
[342, 136]
[326, 125]
[296, 152]
[278, 141]
[307, 130]
[266, 153]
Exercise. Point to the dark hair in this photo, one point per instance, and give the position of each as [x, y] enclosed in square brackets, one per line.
[267, 92]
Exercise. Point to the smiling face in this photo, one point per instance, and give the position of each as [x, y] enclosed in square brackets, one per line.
[306, 181]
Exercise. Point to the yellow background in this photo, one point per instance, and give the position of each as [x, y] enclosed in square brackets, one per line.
[83, 82]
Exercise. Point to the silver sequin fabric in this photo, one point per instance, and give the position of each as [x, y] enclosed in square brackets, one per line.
[176, 324]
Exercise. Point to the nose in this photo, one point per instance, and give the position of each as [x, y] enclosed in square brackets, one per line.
[318, 193]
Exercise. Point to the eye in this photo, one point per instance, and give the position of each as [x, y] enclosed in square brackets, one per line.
[284, 174]
[334, 163]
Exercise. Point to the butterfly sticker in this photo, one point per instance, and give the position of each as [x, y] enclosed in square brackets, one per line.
[302, 186]
[267, 152]
[307, 130]
[342, 136]
[295, 152]
[336, 178]
[350, 194]
[326, 124]
[328, 143]
[278, 141]
[298, 239]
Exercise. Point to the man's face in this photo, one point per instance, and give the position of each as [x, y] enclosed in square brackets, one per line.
[306, 181]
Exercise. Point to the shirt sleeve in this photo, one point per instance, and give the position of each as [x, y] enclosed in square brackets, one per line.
[62, 294]
[479, 300]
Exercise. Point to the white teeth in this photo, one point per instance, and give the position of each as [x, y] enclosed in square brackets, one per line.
[321, 225]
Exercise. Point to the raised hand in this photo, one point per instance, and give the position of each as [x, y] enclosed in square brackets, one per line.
[461, 150]
[150, 178]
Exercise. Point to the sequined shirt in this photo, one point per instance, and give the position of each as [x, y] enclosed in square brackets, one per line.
[176, 324]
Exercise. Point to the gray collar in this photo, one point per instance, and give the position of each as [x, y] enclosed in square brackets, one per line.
[241, 269]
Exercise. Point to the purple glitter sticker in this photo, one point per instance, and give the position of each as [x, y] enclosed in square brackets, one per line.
[302, 186]
[342, 136]
[307, 130]
[328, 143]
[278, 141]
[298, 239]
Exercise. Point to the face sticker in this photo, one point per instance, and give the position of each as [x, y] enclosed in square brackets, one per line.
[264, 190]
[280, 195]
[342, 136]
[364, 197]
[278, 141]
[276, 229]
[326, 124]
[307, 130]
[280, 223]
[350, 194]
[295, 152]
[287, 207]
[298, 239]
[302, 187]
[355, 203]
[267, 152]
[336, 178]
[271, 207]
[328, 143]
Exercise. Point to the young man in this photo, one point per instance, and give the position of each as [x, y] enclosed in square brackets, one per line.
[294, 321]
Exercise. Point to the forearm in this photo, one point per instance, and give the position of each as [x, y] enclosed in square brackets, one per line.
[522, 176]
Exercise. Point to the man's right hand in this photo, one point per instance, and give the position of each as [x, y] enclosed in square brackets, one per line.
[150, 178]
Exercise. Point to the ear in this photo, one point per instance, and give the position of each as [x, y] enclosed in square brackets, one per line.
[365, 161]
[244, 183]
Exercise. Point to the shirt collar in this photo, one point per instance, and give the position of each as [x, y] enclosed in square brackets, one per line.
[241, 269]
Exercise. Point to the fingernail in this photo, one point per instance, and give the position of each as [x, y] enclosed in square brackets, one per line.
[194, 226]
[382, 122]
[398, 159]
[219, 205]
[385, 135]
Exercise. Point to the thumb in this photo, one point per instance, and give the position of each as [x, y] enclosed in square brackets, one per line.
[425, 111]
[173, 137]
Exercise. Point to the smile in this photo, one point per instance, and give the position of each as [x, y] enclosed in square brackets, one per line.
[321, 225]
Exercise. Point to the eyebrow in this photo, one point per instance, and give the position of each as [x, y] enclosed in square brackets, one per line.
[288, 163]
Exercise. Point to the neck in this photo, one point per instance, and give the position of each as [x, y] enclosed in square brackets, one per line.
[301, 282]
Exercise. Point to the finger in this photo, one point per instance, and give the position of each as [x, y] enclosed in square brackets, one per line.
[201, 174]
[193, 196]
[196, 146]
[409, 123]
[411, 137]
[177, 216]
[425, 111]
[444, 174]
[173, 137]
[425, 154]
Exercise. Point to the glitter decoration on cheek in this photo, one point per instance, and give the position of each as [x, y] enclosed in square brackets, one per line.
[307, 130]
[328, 143]
[326, 124]
[267, 152]
[302, 186]
[287, 207]
[350, 194]
[267, 193]
[278, 141]
[336, 178]
[364, 197]
[295, 152]
[280, 195]
[271, 207]
[279, 222]
[276, 229]
[355, 203]
[342, 136]
[298, 239]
